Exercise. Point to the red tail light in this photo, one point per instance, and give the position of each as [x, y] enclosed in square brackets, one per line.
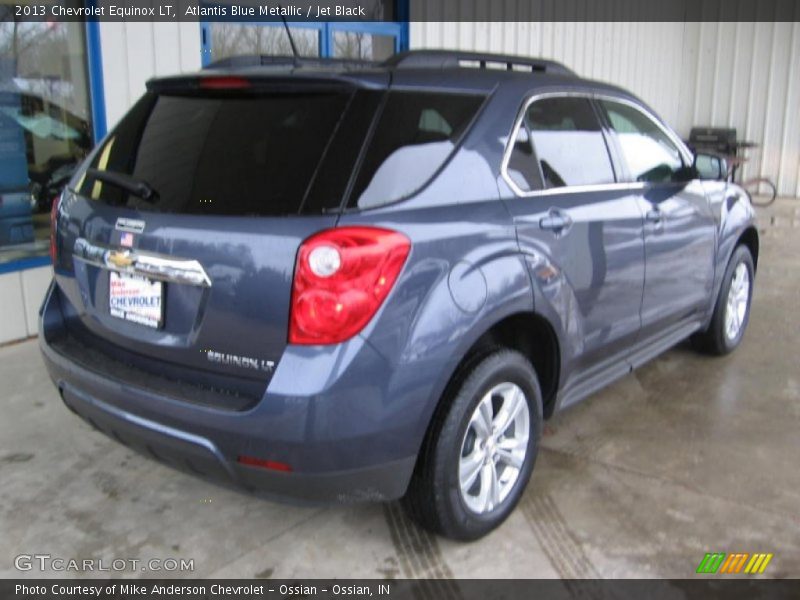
[53, 223]
[342, 277]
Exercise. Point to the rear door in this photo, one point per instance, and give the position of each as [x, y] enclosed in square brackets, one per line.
[195, 268]
[581, 231]
[680, 233]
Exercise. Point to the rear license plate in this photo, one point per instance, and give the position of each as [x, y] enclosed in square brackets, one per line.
[136, 299]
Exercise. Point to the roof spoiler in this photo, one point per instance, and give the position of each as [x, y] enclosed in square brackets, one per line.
[453, 59]
[265, 60]
[203, 82]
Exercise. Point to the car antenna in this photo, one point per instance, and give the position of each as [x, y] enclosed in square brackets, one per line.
[291, 39]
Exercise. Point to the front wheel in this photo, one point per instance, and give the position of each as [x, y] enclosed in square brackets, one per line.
[732, 311]
[480, 452]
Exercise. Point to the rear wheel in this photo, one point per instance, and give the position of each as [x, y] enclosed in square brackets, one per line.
[480, 452]
[732, 311]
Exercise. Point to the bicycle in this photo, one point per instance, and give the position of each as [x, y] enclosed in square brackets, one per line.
[754, 185]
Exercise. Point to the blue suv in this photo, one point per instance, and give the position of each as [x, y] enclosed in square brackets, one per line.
[341, 282]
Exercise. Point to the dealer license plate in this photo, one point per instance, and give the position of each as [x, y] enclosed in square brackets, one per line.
[136, 299]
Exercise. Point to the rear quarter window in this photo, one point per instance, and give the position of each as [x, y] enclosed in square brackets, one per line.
[414, 136]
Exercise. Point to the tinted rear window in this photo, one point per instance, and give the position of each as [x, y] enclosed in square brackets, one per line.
[227, 155]
[416, 133]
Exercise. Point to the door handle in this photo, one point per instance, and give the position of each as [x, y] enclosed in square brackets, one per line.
[556, 221]
[654, 215]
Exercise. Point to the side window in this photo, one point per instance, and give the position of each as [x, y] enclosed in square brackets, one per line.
[649, 152]
[432, 122]
[568, 142]
[416, 133]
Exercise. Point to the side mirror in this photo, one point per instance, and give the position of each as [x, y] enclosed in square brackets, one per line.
[710, 167]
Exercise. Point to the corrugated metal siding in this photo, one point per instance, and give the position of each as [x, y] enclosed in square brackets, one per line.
[135, 52]
[727, 74]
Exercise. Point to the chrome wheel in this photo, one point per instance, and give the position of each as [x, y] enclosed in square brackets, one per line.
[738, 297]
[494, 448]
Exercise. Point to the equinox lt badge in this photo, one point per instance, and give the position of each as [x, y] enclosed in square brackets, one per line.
[246, 362]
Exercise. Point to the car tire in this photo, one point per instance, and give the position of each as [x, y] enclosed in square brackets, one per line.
[440, 497]
[732, 309]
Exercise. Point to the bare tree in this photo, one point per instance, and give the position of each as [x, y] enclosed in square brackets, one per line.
[235, 39]
[22, 44]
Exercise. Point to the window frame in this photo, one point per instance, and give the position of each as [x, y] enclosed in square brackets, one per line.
[620, 167]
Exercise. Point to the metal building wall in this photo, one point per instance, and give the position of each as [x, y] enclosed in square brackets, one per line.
[727, 74]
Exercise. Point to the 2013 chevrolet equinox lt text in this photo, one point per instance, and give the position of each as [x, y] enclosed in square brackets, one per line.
[332, 282]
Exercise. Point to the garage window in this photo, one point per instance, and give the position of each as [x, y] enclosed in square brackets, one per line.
[45, 128]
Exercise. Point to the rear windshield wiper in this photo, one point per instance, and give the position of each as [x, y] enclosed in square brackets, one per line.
[126, 182]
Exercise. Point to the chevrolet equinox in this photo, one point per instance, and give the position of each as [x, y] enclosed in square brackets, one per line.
[339, 282]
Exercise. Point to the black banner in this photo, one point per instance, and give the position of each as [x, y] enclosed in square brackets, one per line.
[707, 588]
[386, 10]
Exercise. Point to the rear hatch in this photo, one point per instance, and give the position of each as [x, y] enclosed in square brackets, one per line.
[177, 239]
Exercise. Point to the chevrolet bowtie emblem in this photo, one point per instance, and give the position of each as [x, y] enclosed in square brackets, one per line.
[119, 259]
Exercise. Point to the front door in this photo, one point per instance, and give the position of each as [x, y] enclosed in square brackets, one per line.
[680, 232]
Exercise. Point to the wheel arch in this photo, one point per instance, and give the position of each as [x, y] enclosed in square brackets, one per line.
[527, 332]
[534, 337]
[749, 238]
[518, 331]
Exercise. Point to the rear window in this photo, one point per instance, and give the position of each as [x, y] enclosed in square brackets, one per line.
[278, 154]
[415, 134]
[227, 155]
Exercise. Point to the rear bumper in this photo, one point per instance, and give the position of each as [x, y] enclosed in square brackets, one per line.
[330, 462]
[200, 456]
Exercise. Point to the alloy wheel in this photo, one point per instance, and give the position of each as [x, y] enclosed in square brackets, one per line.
[738, 298]
[494, 448]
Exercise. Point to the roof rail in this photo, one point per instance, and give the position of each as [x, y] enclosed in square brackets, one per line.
[450, 59]
[259, 60]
